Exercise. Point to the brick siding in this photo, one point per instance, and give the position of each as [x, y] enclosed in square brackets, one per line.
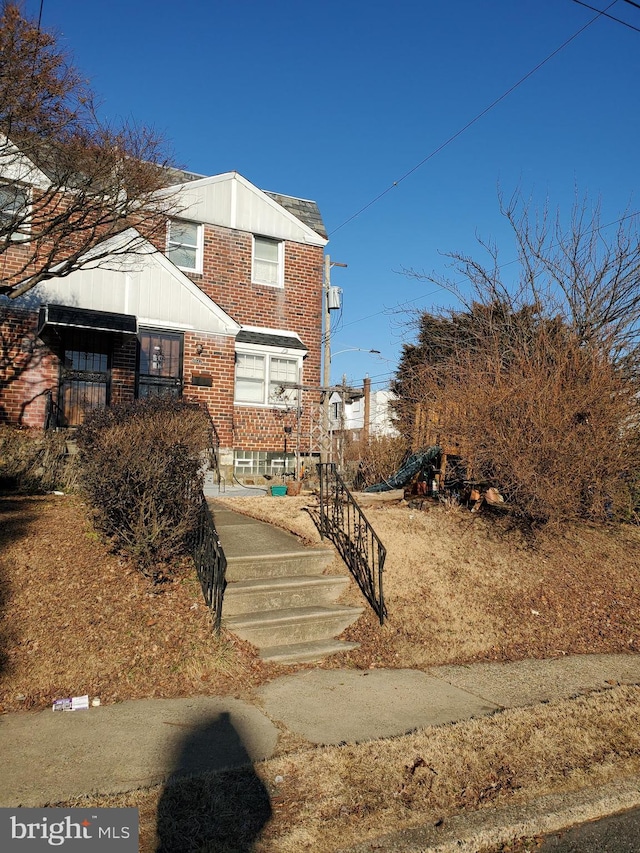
[25, 376]
[226, 278]
[28, 369]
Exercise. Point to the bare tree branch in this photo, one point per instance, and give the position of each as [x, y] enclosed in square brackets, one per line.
[68, 182]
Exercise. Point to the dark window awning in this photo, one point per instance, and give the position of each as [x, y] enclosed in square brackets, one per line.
[266, 339]
[54, 317]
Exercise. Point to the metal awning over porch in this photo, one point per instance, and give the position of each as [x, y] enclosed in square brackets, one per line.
[54, 318]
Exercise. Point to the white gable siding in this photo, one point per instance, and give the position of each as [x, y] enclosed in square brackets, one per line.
[232, 202]
[154, 292]
[16, 166]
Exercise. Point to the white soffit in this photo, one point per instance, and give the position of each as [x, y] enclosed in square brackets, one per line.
[232, 201]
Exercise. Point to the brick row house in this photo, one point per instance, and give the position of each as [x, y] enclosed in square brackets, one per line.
[227, 312]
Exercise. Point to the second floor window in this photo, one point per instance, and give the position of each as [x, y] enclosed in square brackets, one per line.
[184, 245]
[268, 267]
[15, 203]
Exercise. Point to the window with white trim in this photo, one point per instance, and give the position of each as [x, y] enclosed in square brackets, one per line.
[259, 462]
[15, 204]
[260, 379]
[268, 267]
[250, 378]
[184, 245]
[281, 371]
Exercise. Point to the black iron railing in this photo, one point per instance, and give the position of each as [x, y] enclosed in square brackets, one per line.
[343, 522]
[52, 412]
[210, 562]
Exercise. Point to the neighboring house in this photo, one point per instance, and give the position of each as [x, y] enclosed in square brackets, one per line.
[226, 311]
[360, 411]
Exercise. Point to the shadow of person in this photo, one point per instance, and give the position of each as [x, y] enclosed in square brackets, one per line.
[213, 802]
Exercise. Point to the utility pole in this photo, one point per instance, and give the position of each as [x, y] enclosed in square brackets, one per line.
[326, 373]
[325, 446]
[367, 408]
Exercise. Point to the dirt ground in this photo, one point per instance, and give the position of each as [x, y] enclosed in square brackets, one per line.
[75, 619]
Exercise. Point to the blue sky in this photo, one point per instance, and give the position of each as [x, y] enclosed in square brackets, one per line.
[336, 101]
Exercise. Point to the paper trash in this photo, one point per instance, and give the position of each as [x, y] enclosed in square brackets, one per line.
[75, 703]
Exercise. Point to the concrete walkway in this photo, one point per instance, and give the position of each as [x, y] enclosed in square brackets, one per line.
[49, 757]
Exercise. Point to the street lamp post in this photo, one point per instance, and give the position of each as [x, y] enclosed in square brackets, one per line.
[343, 390]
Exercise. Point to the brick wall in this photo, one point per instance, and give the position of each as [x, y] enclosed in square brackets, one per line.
[209, 373]
[123, 369]
[297, 308]
[28, 369]
[227, 280]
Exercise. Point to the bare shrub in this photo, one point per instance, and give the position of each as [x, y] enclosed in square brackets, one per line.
[535, 383]
[551, 423]
[373, 460]
[142, 473]
[33, 461]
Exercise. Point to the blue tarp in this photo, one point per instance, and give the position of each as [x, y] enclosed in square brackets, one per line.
[421, 461]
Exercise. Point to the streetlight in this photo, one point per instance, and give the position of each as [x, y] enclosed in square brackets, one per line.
[367, 400]
[356, 349]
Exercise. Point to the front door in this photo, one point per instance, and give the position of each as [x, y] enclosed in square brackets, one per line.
[160, 364]
[84, 374]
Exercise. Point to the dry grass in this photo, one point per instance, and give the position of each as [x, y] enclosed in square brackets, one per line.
[462, 587]
[326, 799]
[75, 619]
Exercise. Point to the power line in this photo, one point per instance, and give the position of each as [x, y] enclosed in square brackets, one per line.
[399, 305]
[611, 17]
[473, 120]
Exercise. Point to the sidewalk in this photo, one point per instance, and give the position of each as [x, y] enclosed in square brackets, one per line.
[50, 757]
[47, 758]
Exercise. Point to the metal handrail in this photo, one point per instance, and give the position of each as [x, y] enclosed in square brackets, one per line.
[52, 412]
[342, 521]
[210, 562]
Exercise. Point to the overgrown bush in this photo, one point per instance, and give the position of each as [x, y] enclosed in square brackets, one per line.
[550, 422]
[374, 460]
[141, 470]
[535, 381]
[33, 461]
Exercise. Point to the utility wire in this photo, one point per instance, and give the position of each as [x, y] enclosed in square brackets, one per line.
[611, 17]
[399, 305]
[473, 120]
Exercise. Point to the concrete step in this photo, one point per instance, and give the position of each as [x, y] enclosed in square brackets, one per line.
[305, 652]
[306, 561]
[267, 594]
[292, 625]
